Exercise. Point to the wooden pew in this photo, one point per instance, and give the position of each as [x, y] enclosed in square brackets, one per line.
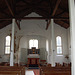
[12, 70]
[55, 71]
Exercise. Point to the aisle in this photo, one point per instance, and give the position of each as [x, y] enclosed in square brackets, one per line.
[29, 73]
[32, 72]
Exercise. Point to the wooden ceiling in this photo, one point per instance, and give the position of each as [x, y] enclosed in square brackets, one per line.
[18, 9]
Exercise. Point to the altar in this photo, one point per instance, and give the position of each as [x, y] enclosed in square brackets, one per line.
[33, 56]
[33, 59]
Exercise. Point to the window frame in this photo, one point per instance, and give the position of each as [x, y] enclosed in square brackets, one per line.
[59, 46]
[33, 46]
[7, 46]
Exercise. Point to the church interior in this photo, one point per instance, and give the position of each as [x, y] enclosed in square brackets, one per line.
[35, 37]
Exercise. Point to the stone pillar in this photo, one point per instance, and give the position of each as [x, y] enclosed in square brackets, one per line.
[52, 43]
[12, 44]
[72, 34]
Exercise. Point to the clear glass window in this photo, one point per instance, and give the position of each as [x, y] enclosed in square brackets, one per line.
[7, 45]
[33, 43]
[59, 45]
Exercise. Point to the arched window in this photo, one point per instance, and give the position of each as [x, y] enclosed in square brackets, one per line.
[59, 45]
[7, 44]
[33, 43]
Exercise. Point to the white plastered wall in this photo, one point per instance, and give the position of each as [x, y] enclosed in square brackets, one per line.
[35, 29]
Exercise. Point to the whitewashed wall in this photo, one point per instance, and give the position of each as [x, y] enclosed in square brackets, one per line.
[60, 31]
[24, 45]
[35, 29]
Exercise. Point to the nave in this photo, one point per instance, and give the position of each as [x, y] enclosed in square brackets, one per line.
[32, 72]
[29, 73]
[50, 23]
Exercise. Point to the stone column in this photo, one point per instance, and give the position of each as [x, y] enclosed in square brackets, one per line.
[52, 43]
[12, 44]
[72, 34]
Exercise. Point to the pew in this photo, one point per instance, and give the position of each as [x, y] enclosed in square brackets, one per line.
[12, 70]
[10, 73]
[55, 71]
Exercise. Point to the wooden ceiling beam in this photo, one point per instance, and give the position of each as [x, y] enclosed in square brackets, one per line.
[50, 4]
[40, 2]
[4, 13]
[48, 23]
[23, 12]
[60, 13]
[56, 7]
[36, 18]
[65, 21]
[13, 4]
[18, 24]
[12, 11]
[28, 6]
[54, 11]
[66, 10]
[24, 1]
[32, 2]
[41, 10]
[9, 7]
